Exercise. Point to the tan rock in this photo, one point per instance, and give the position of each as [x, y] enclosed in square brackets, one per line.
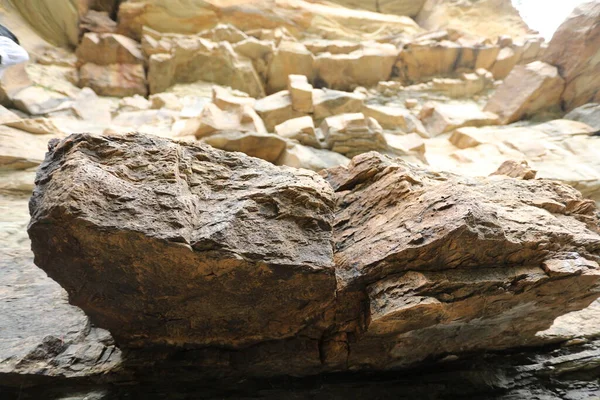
[299, 156]
[505, 62]
[224, 33]
[405, 144]
[409, 8]
[276, 109]
[109, 48]
[514, 169]
[301, 129]
[97, 22]
[214, 119]
[486, 57]
[588, 114]
[487, 18]
[192, 58]
[421, 60]
[22, 150]
[352, 134]
[441, 118]
[118, 80]
[574, 50]
[230, 99]
[364, 67]
[395, 118]
[290, 58]
[317, 46]
[37, 126]
[7, 116]
[334, 102]
[528, 89]
[166, 100]
[260, 145]
[301, 93]
[36, 100]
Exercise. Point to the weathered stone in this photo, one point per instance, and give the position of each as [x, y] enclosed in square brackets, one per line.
[487, 18]
[403, 7]
[266, 146]
[505, 62]
[405, 144]
[439, 248]
[364, 67]
[224, 33]
[588, 114]
[301, 129]
[214, 119]
[21, 150]
[574, 50]
[186, 59]
[513, 169]
[220, 279]
[290, 58]
[301, 93]
[317, 46]
[109, 48]
[97, 22]
[527, 90]
[486, 57]
[352, 134]
[395, 118]
[118, 80]
[441, 118]
[299, 156]
[276, 109]
[334, 102]
[421, 60]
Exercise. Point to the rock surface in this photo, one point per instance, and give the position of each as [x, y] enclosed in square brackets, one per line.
[574, 49]
[453, 263]
[234, 252]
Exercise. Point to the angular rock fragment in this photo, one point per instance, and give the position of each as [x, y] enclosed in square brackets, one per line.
[276, 109]
[290, 58]
[118, 80]
[574, 50]
[185, 244]
[334, 102]
[352, 134]
[527, 90]
[440, 118]
[301, 129]
[513, 169]
[301, 93]
[453, 264]
[109, 48]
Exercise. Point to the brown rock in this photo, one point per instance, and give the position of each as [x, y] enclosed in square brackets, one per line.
[425, 59]
[451, 260]
[266, 146]
[505, 62]
[574, 50]
[276, 109]
[334, 102]
[528, 89]
[98, 22]
[118, 80]
[352, 134]
[514, 169]
[109, 48]
[194, 265]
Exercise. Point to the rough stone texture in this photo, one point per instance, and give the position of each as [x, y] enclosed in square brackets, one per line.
[118, 80]
[441, 118]
[513, 169]
[574, 49]
[352, 134]
[334, 102]
[290, 58]
[109, 48]
[266, 146]
[179, 260]
[528, 89]
[301, 129]
[276, 109]
[299, 156]
[186, 59]
[426, 59]
[364, 67]
[505, 62]
[451, 261]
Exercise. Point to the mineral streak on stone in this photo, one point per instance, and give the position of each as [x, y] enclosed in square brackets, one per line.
[167, 243]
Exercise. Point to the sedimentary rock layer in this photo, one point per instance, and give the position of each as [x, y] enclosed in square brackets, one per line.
[166, 243]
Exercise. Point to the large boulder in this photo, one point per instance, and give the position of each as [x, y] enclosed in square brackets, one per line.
[575, 50]
[528, 89]
[118, 80]
[181, 259]
[290, 58]
[109, 48]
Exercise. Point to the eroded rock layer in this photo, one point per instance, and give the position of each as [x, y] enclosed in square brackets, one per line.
[166, 243]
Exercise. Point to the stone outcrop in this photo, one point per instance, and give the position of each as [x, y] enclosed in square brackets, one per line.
[386, 266]
[529, 89]
[233, 252]
[488, 18]
[574, 50]
[118, 80]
